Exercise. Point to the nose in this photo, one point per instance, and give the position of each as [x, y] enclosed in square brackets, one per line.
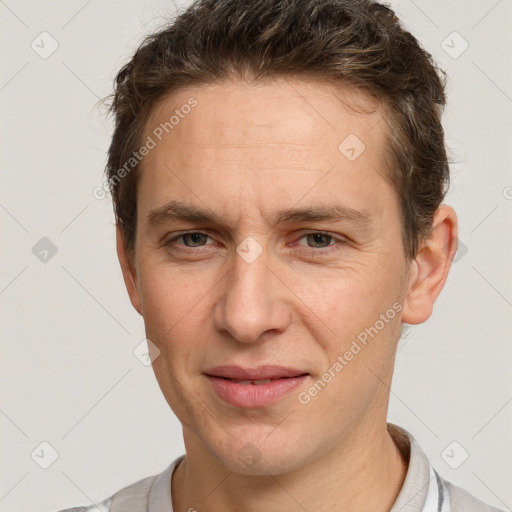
[252, 301]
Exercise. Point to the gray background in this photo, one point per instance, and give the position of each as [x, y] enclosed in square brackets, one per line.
[68, 374]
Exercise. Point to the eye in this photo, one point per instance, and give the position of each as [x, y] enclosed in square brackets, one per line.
[318, 238]
[320, 243]
[192, 239]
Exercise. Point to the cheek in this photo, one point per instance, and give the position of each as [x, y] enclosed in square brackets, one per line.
[339, 305]
[163, 305]
[176, 310]
[167, 294]
[339, 296]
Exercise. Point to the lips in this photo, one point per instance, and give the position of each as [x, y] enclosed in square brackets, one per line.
[253, 382]
[259, 375]
[255, 387]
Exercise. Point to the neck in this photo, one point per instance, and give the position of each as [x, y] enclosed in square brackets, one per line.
[363, 473]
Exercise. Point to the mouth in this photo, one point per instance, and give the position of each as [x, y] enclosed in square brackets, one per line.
[258, 374]
[254, 388]
[254, 382]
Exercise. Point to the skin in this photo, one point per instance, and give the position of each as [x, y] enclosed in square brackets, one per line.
[244, 152]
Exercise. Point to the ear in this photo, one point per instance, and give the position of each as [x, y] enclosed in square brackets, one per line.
[429, 270]
[128, 269]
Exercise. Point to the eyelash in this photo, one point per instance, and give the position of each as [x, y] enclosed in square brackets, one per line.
[311, 251]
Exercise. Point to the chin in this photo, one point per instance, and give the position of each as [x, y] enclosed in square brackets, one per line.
[253, 462]
[263, 454]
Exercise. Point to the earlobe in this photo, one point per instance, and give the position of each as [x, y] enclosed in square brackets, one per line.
[430, 268]
[128, 270]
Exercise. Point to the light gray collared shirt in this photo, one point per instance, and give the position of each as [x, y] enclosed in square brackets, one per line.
[423, 490]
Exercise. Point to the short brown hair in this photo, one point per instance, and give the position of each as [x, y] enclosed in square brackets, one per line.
[359, 43]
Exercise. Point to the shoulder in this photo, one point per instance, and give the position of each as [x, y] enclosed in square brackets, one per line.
[153, 492]
[132, 498]
[102, 506]
[463, 501]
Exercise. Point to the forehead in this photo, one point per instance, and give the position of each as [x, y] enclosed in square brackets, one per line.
[293, 136]
[235, 111]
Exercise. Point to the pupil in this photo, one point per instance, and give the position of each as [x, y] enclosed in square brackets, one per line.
[317, 237]
[195, 237]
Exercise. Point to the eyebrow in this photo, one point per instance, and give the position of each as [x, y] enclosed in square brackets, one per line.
[179, 211]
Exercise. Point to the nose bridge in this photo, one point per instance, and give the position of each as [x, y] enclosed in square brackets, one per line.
[251, 303]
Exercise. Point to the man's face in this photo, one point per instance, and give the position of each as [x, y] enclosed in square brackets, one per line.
[247, 291]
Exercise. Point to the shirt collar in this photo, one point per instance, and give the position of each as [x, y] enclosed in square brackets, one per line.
[413, 494]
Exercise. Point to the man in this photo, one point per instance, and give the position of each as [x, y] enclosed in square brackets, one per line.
[277, 170]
